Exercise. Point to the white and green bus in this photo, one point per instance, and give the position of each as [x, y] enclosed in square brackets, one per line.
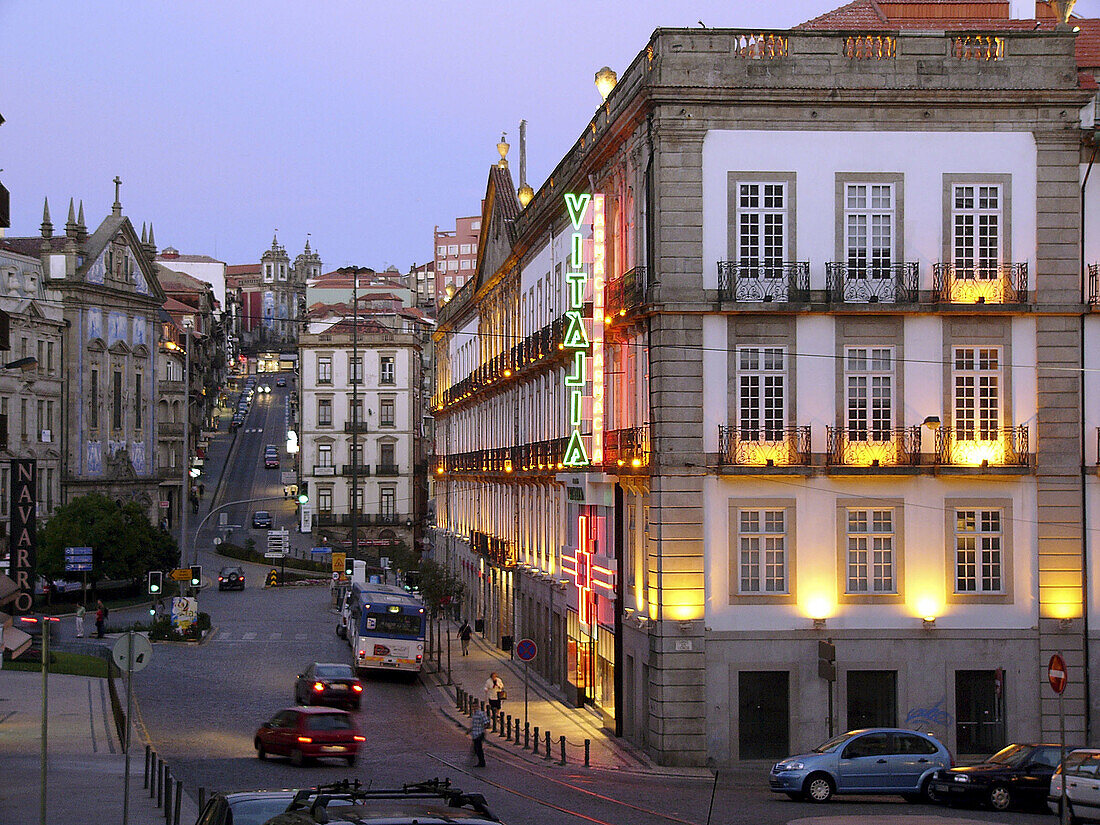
[385, 628]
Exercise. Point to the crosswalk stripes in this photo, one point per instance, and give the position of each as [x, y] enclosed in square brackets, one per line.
[251, 636]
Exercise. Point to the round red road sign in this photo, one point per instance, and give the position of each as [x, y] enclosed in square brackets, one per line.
[1057, 673]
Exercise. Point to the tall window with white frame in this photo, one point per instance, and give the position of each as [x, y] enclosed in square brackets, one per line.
[762, 537]
[387, 500]
[324, 455]
[355, 369]
[324, 412]
[976, 229]
[977, 389]
[979, 564]
[761, 229]
[324, 369]
[869, 230]
[387, 370]
[871, 551]
[761, 387]
[324, 499]
[869, 385]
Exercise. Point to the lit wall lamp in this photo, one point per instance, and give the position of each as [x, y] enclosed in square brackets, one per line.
[928, 622]
[606, 80]
[932, 422]
[819, 624]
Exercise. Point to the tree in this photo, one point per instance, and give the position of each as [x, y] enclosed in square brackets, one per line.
[437, 583]
[125, 544]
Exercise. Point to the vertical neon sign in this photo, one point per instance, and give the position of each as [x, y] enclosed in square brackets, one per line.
[583, 572]
[597, 326]
[576, 335]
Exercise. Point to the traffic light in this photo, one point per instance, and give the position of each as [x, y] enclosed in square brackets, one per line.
[156, 578]
[196, 575]
[303, 493]
[826, 661]
[349, 566]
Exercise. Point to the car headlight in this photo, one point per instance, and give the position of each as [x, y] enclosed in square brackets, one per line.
[791, 766]
[961, 777]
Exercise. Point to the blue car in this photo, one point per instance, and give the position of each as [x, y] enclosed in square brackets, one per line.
[869, 761]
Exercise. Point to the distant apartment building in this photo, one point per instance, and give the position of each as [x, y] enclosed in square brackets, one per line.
[455, 256]
[266, 300]
[421, 280]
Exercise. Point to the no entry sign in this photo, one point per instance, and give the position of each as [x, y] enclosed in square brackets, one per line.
[1057, 674]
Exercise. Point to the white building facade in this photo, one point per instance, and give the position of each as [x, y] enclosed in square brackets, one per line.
[828, 389]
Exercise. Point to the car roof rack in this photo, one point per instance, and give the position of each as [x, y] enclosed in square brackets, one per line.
[352, 791]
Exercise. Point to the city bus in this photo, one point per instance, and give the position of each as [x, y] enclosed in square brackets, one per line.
[385, 628]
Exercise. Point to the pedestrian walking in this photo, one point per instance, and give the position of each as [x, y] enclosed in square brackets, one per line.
[464, 633]
[80, 621]
[202, 489]
[494, 691]
[100, 619]
[478, 723]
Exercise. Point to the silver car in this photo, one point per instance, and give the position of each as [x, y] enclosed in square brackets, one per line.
[1081, 774]
[869, 761]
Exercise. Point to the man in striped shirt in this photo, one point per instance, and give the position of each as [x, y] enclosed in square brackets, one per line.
[478, 722]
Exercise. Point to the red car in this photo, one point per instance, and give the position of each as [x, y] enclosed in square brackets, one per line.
[309, 733]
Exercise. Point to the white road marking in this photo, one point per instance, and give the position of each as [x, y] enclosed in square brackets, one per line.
[249, 636]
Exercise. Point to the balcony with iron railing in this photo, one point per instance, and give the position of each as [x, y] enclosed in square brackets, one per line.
[361, 520]
[980, 284]
[1094, 284]
[882, 283]
[982, 447]
[873, 449]
[387, 470]
[763, 447]
[626, 449]
[355, 426]
[361, 470]
[754, 282]
[624, 294]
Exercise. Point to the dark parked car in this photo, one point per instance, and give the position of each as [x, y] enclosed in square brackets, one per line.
[328, 684]
[231, 578]
[261, 520]
[872, 760]
[1018, 775]
[309, 733]
[236, 422]
[420, 802]
[271, 460]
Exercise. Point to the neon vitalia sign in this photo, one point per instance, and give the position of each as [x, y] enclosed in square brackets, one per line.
[586, 351]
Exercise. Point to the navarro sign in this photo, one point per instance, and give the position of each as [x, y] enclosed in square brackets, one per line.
[24, 507]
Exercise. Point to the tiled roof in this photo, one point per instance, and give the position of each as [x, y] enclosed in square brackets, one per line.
[172, 305]
[859, 14]
[506, 199]
[172, 279]
[242, 269]
[32, 247]
[197, 259]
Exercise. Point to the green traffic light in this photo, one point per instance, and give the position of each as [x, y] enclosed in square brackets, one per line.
[303, 498]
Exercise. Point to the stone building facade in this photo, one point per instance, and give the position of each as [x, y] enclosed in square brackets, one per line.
[788, 349]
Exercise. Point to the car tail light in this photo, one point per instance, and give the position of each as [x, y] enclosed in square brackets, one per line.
[952, 760]
[362, 653]
[359, 738]
[306, 740]
[220, 579]
[357, 688]
[419, 657]
[381, 650]
[318, 687]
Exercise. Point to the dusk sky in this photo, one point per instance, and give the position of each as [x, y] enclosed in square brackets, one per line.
[362, 123]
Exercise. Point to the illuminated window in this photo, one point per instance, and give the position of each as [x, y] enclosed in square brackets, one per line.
[869, 229]
[976, 229]
[869, 378]
[978, 561]
[977, 382]
[762, 537]
[871, 551]
[761, 228]
[761, 386]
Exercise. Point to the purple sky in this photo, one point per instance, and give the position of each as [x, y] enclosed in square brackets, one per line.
[362, 123]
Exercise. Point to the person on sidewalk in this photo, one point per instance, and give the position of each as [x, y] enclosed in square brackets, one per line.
[100, 619]
[80, 621]
[464, 633]
[478, 723]
[494, 691]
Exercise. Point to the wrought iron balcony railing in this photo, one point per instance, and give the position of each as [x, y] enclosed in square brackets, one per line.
[872, 283]
[361, 470]
[764, 447]
[625, 293]
[387, 470]
[851, 447]
[1094, 283]
[628, 448]
[781, 281]
[355, 426]
[981, 284]
[982, 447]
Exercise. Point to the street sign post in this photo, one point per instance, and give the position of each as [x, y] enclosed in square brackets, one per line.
[1058, 676]
[131, 653]
[180, 574]
[526, 650]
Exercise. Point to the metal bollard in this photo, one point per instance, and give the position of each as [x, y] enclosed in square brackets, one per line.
[494, 722]
[516, 740]
[153, 774]
[178, 805]
[563, 750]
[587, 752]
[459, 698]
[535, 749]
[526, 735]
[508, 729]
[160, 782]
[145, 781]
[548, 755]
[502, 729]
[202, 797]
[168, 798]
